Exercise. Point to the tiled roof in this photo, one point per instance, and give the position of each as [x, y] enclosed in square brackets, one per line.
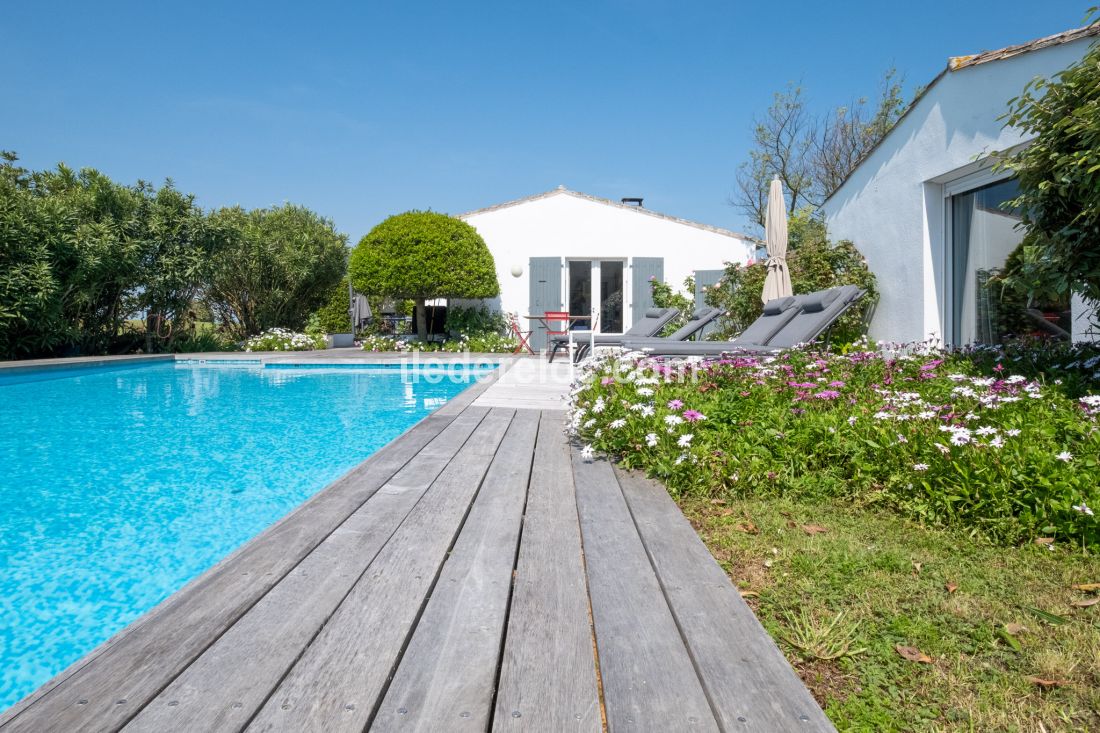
[562, 190]
[961, 62]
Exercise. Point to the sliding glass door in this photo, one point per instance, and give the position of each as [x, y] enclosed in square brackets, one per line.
[984, 235]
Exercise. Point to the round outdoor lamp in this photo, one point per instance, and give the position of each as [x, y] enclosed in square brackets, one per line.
[517, 270]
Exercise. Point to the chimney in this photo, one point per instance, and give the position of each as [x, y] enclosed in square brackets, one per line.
[632, 201]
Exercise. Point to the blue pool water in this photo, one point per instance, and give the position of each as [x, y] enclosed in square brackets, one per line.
[118, 485]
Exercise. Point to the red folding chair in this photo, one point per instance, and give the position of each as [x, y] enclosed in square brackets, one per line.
[551, 316]
[548, 319]
[524, 337]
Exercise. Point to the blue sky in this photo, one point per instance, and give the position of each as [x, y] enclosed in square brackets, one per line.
[364, 109]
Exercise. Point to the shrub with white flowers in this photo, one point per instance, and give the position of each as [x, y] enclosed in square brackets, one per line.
[282, 339]
[944, 438]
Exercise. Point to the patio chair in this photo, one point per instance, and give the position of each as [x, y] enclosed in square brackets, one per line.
[700, 319]
[648, 325]
[813, 315]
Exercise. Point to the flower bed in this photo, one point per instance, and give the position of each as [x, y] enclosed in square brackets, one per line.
[282, 339]
[928, 434]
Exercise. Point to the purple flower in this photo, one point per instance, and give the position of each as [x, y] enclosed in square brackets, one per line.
[675, 404]
[836, 383]
[827, 394]
[694, 415]
[607, 380]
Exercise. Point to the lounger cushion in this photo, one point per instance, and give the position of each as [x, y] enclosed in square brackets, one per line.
[777, 314]
[700, 313]
[654, 312]
[819, 301]
[775, 306]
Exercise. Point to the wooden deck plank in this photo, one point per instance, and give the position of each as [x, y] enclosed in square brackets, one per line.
[748, 680]
[548, 672]
[446, 676]
[340, 678]
[649, 681]
[224, 687]
[153, 649]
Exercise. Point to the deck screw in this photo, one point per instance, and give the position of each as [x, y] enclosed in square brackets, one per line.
[120, 702]
[402, 711]
[741, 719]
[349, 706]
[81, 702]
[238, 705]
[173, 703]
[803, 717]
[286, 706]
[693, 719]
[464, 714]
[516, 714]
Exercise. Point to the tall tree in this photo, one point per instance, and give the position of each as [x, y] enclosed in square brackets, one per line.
[843, 138]
[783, 148]
[812, 154]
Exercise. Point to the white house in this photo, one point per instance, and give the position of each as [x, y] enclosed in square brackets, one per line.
[567, 251]
[924, 206]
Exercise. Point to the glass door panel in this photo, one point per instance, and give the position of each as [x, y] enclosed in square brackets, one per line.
[611, 296]
[580, 289]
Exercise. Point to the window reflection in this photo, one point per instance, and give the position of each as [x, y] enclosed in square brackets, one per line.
[984, 235]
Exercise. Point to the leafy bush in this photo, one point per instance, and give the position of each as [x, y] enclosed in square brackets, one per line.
[421, 255]
[485, 343]
[84, 259]
[205, 341]
[80, 255]
[475, 321]
[814, 264]
[334, 315]
[928, 434]
[281, 265]
[1059, 177]
[665, 297]
[282, 339]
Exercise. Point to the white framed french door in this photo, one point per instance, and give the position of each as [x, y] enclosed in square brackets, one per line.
[599, 287]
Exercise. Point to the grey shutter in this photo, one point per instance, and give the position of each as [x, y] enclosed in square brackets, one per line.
[545, 291]
[641, 270]
[705, 279]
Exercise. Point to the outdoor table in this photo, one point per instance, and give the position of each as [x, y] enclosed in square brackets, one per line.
[543, 322]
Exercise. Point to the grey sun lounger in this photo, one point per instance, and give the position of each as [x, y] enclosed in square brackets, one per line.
[804, 319]
[700, 319]
[650, 324]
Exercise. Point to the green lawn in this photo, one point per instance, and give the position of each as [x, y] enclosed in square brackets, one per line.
[840, 588]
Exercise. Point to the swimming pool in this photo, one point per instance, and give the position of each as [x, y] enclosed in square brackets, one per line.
[119, 484]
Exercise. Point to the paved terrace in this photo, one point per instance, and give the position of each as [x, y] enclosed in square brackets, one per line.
[474, 574]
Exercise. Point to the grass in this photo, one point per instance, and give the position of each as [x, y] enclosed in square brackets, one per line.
[846, 592]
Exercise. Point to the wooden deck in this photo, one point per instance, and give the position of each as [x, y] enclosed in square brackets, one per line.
[475, 574]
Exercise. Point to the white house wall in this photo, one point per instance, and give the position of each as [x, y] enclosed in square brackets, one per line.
[569, 226]
[892, 206]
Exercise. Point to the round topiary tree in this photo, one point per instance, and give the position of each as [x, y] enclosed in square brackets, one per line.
[420, 255]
